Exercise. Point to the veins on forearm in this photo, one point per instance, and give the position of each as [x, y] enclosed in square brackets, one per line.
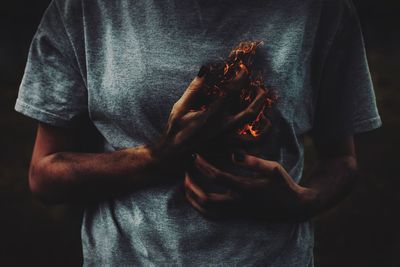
[66, 176]
[330, 182]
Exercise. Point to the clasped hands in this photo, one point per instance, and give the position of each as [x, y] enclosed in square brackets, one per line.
[269, 194]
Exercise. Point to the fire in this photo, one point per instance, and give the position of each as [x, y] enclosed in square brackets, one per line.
[243, 57]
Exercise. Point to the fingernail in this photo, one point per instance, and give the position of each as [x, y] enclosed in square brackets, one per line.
[238, 156]
[202, 71]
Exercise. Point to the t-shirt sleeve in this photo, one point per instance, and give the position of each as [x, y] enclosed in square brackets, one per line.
[52, 90]
[346, 101]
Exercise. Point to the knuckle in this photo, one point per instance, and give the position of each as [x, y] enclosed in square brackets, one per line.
[276, 166]
[277, 169]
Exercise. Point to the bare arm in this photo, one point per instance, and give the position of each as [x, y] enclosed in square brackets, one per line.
[333, 177]
[60, 172]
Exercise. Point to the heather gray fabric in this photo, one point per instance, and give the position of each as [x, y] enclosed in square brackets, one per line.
[125, 62]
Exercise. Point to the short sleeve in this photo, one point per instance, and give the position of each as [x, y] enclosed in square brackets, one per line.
[346, 101]
[52, 88]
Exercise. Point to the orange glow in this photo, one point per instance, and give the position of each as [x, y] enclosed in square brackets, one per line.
[241, 58]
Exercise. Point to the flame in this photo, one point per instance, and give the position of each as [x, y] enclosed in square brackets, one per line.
[242, 58]
[247, 50]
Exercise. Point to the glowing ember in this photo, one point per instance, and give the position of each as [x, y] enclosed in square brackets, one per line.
[243, 57]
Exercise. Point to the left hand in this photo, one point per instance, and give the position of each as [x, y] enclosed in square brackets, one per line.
[270, 194]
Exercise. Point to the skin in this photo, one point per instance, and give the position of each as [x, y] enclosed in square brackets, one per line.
[61, 172]
[271, 194]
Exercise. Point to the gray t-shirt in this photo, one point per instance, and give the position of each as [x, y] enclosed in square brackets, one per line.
[125, 62]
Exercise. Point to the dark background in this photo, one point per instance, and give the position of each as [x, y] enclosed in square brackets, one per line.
[362, 231]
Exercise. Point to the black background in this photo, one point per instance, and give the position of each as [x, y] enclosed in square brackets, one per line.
[362, 231]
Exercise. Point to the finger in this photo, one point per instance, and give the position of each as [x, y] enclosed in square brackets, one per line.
[236, 84]
[227, 197]
[194, 204]
[214, 205]
[256, 164]
[215, 108]
[190, 185]
[249, 114]
[206, 212]
[207, 118]
[240, 81]
[208, 199]
[185, 138]
[189, 117]
[242, 184]
[192, 92]
[196, 125]
[195, 87]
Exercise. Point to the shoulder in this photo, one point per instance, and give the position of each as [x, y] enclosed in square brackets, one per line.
[339, 7]
[334, 14]
[67, 8]
[73, 9]
[329, 9]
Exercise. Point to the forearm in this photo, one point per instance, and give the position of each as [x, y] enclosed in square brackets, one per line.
[68, 176]
[329, 183]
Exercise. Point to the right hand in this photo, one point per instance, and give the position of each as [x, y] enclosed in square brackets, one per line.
[188, 129]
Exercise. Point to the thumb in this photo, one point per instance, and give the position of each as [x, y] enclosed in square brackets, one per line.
[192, 91]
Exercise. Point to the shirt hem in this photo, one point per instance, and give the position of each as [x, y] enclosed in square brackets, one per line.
[40, 114]
[367, 125]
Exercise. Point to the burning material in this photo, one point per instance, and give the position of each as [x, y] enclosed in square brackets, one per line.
[245, 57]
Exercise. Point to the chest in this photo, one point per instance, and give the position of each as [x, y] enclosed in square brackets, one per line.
[141, 65]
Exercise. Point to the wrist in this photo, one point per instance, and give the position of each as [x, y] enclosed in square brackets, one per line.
[140, 157]
[143, 163]
[307, 195]
[308, 202]
[162, 160]
[157, 155]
